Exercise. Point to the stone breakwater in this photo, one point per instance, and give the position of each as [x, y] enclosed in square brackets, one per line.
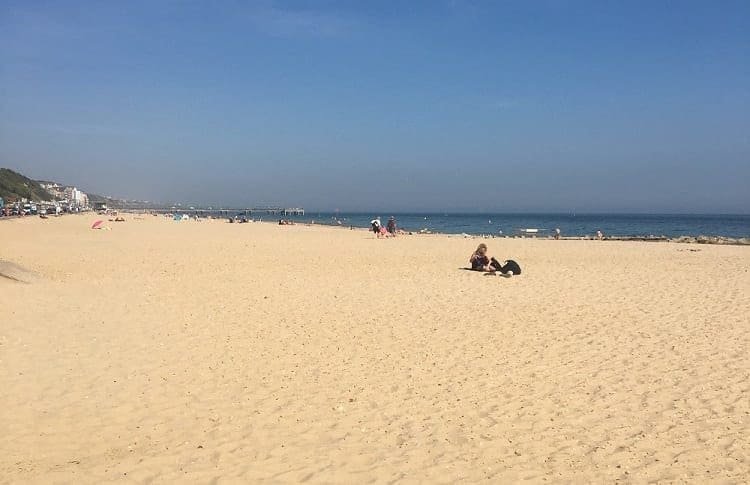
[743, 241]
[722, 240]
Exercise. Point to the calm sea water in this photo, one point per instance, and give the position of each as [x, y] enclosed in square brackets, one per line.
[570, 225]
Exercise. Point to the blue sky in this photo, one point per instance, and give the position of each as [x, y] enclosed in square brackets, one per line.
[435, 105]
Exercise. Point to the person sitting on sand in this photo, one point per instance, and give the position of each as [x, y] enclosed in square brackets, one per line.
[479, 260]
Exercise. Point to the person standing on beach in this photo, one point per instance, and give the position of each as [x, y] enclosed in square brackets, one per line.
[391, 226]
[375, 223]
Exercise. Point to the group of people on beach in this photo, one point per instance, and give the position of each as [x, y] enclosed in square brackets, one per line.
[390, 229]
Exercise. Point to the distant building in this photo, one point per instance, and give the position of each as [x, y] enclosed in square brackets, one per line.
[80, 198]
[70, 196]
[75, 197]
[56, 190]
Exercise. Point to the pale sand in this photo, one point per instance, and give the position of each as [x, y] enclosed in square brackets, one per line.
[213, 352]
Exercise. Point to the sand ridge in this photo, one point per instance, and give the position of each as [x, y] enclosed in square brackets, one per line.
[204, 351]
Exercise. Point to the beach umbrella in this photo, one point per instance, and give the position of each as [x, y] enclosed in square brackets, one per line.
[97, 225]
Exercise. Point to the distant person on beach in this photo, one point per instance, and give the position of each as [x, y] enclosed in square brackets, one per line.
[391, 226]
[599, 235]
[375, 223]
[557, 233]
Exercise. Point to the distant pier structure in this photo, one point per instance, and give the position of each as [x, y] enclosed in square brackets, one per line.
[288, 211]
[282, 211]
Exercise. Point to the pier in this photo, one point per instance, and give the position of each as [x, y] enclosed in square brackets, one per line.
[281, 211]
[288, 211]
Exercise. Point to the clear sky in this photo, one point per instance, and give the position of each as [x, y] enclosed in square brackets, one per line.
[435, 105]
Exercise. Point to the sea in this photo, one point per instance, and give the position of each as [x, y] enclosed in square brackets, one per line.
[574, 225]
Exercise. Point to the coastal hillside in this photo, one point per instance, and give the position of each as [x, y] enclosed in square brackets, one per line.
[103, 199]
[13, 185]
[115, 203]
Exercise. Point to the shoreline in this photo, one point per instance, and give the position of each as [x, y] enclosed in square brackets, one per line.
[689, 239]
[700, 239]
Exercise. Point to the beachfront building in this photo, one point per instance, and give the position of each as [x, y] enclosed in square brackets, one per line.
[78, 198]
[70, 196]
[75, 198]
[56, 190]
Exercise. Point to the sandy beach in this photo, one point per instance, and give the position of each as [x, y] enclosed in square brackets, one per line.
[207, 352]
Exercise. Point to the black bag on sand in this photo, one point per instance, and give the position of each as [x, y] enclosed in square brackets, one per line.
[509, 265]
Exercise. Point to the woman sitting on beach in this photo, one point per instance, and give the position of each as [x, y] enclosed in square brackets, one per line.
[481, 262]
[479, 259]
